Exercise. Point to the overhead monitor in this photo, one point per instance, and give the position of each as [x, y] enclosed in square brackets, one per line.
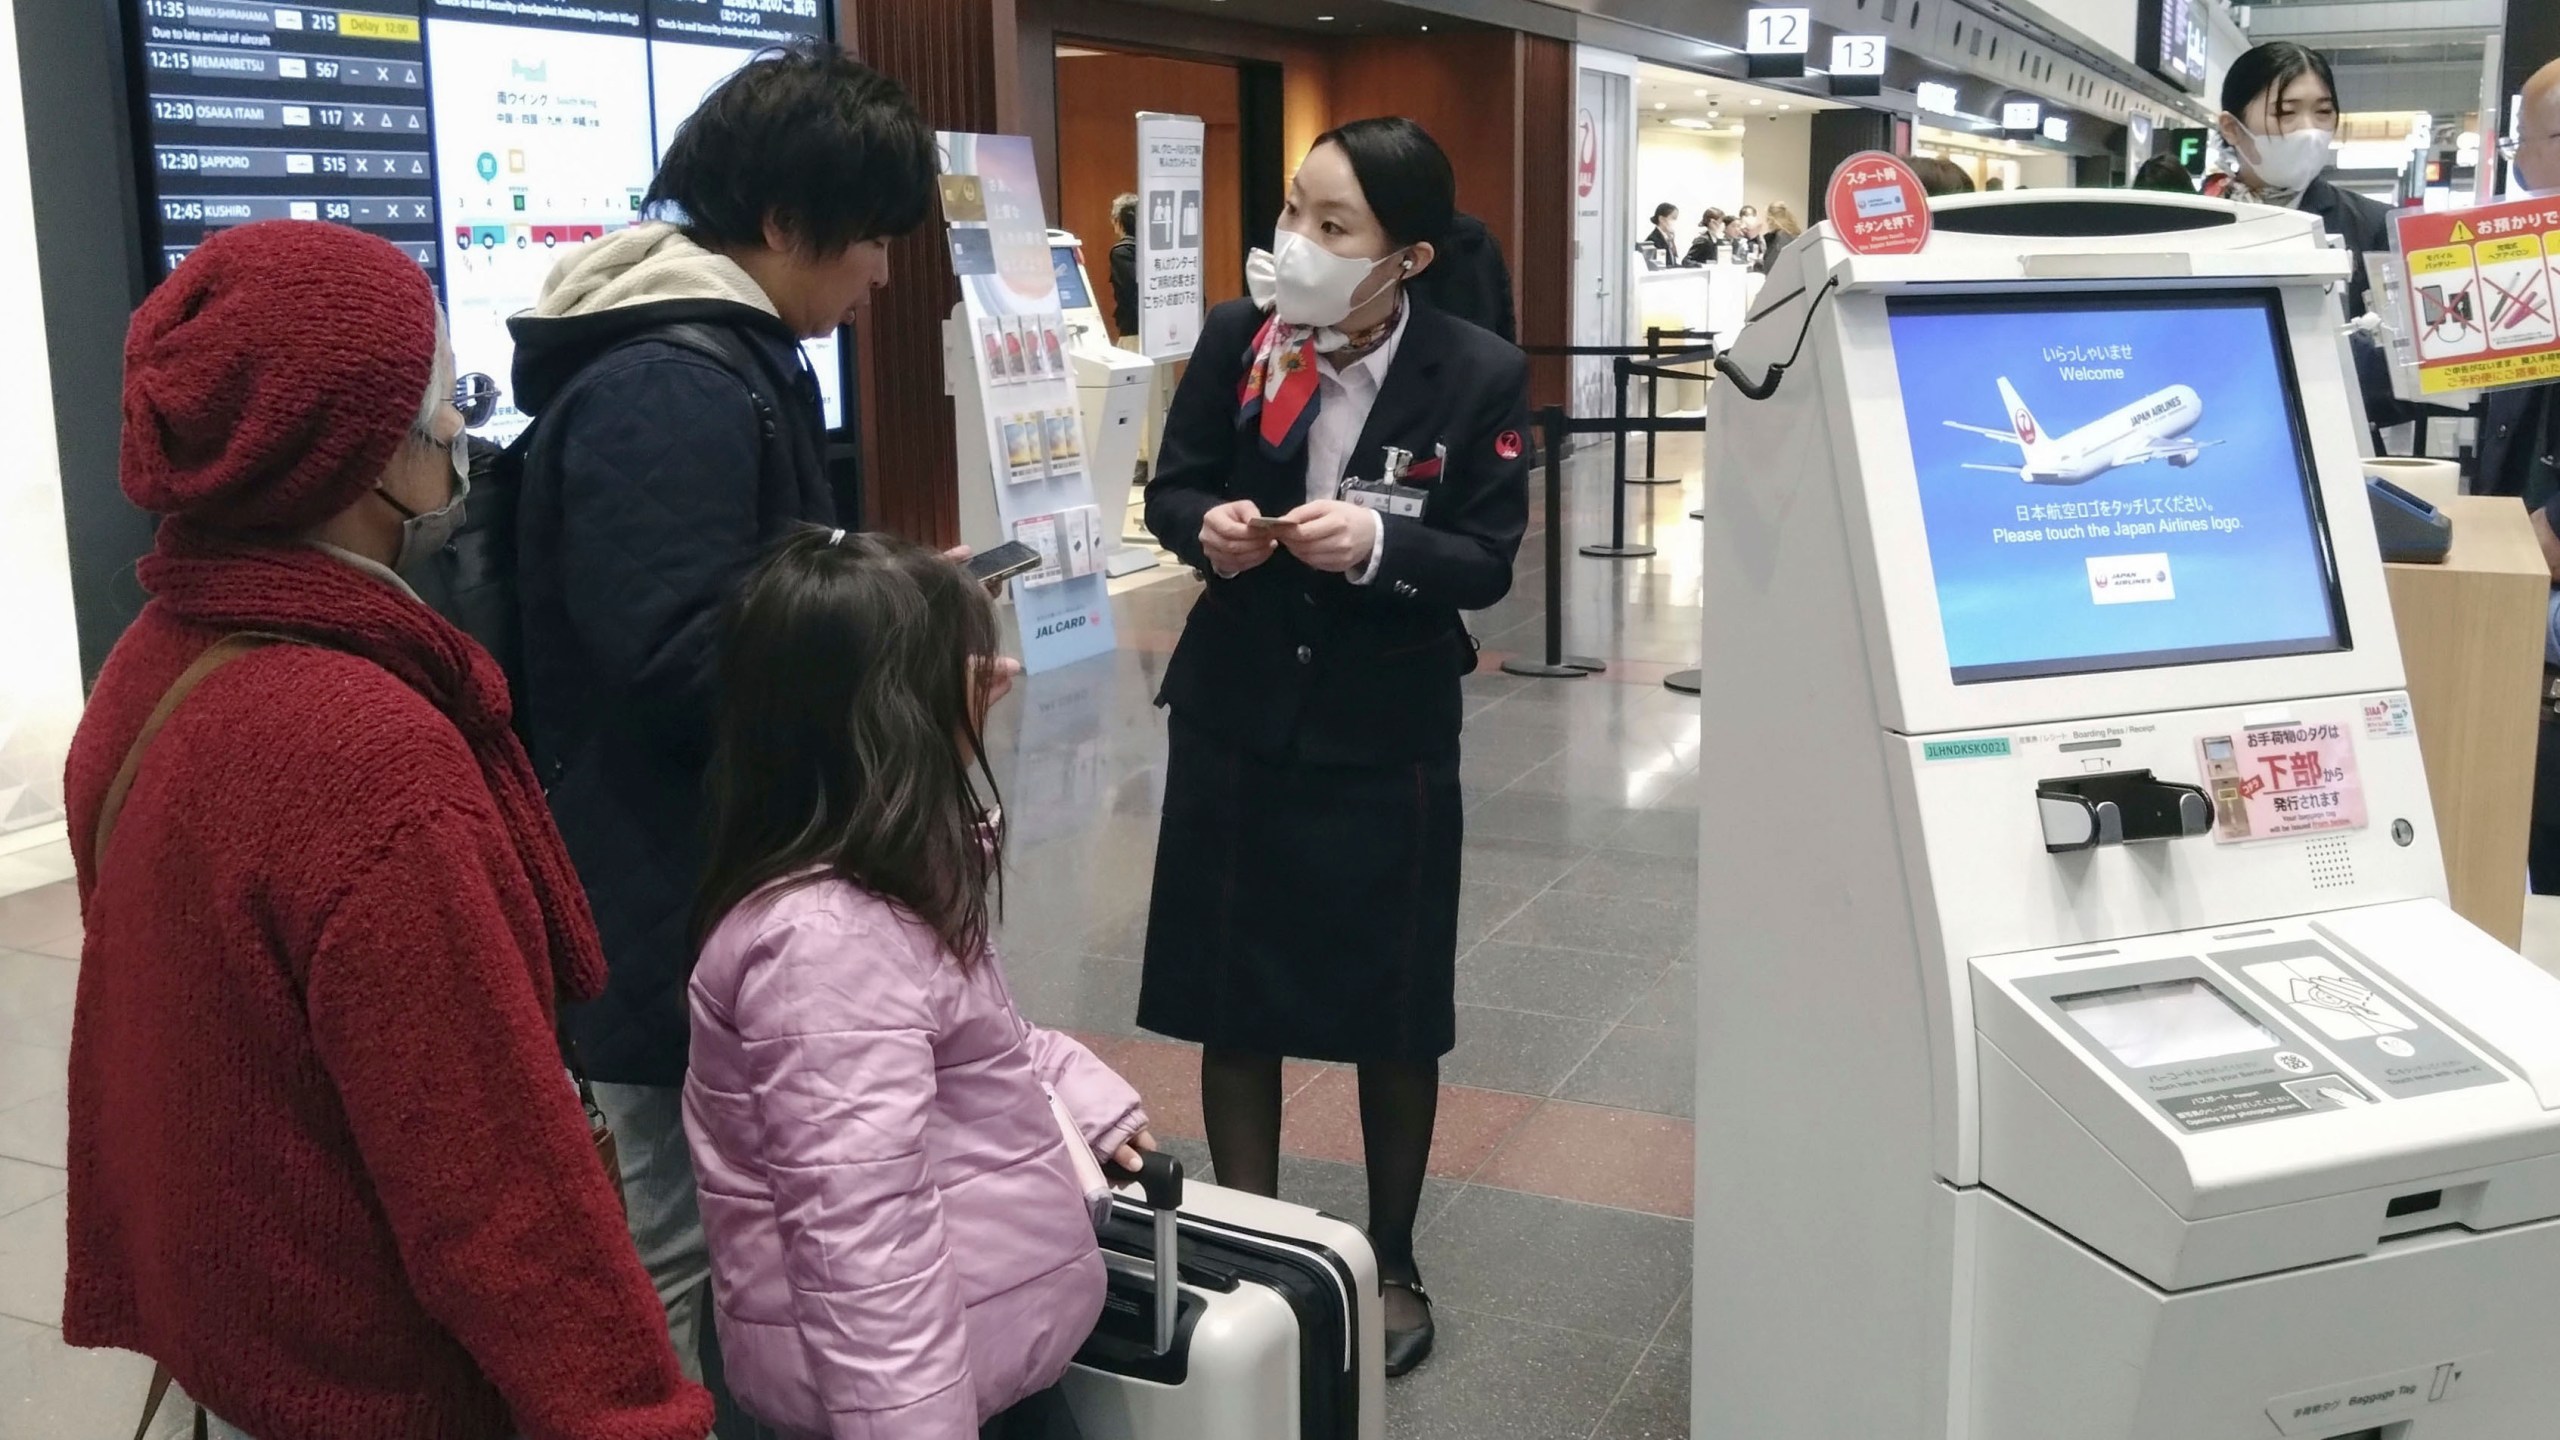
[2171, 39]
[482, 136]
[2114, 484]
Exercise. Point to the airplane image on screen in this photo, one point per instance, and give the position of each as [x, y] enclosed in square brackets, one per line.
[2152, 428]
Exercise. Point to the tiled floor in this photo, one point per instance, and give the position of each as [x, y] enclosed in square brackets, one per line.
[1555, 1228]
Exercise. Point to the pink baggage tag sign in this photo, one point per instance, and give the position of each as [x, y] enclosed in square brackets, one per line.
[2273, 781]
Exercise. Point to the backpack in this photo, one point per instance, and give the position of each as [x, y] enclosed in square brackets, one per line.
[472, 580]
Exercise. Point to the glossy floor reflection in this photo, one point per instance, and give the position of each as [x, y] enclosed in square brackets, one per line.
[1556, 1226]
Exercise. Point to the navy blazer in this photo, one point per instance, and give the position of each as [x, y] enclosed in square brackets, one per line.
[1290, 663]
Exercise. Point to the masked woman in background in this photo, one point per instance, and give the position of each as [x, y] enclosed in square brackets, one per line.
[1346, 466]
[2280, 120]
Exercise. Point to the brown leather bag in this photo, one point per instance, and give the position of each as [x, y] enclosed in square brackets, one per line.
[222, 652]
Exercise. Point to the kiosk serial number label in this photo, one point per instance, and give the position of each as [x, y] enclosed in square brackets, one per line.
[1992, 748]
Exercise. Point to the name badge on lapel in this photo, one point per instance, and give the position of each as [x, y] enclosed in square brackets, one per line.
[1388, 495]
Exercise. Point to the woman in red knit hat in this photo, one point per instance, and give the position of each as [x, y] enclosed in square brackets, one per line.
[325, 1165]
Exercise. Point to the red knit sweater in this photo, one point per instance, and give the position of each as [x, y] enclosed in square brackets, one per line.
[325, 1163]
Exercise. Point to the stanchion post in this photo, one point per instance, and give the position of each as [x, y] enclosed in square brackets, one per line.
[1652, 383]
[1618, 548]
[1552, 426]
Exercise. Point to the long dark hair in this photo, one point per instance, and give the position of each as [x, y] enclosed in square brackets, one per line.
[849, 739]
[1407, 180]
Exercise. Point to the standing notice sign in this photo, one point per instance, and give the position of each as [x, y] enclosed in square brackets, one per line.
[2482, 302]
[1170, 191]
[1020, 395]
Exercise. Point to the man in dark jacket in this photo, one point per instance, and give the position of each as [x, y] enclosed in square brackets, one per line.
[1124, 265]
[663, 462]
[2520, 456]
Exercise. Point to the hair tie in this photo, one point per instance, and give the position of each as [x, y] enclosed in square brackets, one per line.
[835, 539]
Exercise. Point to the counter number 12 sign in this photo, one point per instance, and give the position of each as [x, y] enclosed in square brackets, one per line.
[1776, 39]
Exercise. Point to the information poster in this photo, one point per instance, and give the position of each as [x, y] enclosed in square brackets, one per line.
[2271, 781]
[999, 248]
[2108, 485]
[2481, 296]
[1171, 183]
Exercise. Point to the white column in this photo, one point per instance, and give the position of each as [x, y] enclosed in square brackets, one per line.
[39, 647]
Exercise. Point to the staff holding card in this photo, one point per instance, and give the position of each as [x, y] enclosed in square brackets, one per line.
[1344, 463]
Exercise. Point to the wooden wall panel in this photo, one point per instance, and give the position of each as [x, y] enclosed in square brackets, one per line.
[1462, 88]
[945, 52]
[1042, 25]
[1542, 268]
[1099, 95]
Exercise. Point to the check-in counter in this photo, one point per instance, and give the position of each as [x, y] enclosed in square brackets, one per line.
[2471, 633]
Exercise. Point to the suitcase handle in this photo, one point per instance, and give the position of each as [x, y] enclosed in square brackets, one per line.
[1160, 1180]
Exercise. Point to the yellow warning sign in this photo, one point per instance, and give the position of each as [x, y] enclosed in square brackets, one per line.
[2461, 232]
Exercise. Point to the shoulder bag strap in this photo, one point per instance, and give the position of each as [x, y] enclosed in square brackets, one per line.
[222, 652]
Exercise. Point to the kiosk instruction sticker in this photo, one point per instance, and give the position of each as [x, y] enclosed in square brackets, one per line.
[1877, 205]
[2272, 781]
[2481, 294]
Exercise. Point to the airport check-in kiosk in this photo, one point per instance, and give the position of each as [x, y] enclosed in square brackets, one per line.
[2087, 1051]
[1112, 391]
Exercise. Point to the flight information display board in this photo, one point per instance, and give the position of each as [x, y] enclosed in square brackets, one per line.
[277, 112]
[482, 136]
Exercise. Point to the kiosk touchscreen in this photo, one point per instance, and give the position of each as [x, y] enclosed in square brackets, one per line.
[2087, 1051]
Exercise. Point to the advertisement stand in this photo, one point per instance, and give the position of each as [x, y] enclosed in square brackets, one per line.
[1023, 470]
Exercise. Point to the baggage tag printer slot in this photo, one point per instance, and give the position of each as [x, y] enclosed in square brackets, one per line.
[2083, 812]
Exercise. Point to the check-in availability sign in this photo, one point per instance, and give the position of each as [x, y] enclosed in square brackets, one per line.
[1878, 206]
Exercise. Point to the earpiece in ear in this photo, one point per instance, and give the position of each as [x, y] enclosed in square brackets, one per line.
[1408, 267]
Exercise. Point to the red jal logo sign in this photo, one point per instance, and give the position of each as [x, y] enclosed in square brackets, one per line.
[1586, 165]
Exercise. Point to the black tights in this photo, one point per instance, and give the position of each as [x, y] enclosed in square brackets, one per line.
[1399, 1101]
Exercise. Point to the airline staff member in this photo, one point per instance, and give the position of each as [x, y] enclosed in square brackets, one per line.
[1306, 885]
[2280, 118]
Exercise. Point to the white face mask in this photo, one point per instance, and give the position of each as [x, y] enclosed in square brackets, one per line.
[1305, 284]
[2288, 162]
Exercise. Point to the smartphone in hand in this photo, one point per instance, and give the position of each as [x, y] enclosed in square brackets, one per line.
[992, 568]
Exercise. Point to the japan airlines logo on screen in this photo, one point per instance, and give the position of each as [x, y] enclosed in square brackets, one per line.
[2026, 426]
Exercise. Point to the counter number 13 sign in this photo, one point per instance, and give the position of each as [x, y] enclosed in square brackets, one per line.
[1857, 64]
[1776, 39]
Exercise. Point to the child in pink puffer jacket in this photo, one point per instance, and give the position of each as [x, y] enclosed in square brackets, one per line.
[900, 1246]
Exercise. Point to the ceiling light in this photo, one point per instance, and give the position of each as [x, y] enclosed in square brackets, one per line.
[1323, 19]
[1701, 94]
[1686, 122]
[1786, 107]
[1658, 105]
[1755, 102]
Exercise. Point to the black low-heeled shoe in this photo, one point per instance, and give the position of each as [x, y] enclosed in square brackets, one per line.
[1408, 1348]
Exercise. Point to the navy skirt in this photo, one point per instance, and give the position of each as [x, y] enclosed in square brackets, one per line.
[1304, 910]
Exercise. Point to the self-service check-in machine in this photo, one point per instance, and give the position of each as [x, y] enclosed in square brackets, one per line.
[1112, 391]
[2087, 1051]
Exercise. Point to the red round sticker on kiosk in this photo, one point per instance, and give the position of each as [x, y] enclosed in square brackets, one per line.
[1878, 206]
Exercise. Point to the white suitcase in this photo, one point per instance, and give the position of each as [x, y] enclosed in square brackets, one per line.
[1274, 1333]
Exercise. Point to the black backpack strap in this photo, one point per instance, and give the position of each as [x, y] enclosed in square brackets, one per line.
[790, 444]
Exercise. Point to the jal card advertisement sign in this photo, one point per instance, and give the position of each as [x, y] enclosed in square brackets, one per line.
[2481, 294]
[999, 247]
[2271, 781]
[1171, 186]
[2112, 484]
